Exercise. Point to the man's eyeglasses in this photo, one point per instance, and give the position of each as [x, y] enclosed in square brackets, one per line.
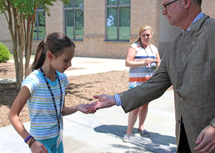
[165, 5]
[147, 35]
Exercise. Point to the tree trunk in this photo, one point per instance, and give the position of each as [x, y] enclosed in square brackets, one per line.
[11, 27]
[28, 41]
[21, 46]
[17, 60]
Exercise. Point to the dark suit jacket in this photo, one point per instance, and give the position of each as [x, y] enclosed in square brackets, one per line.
[189, 65]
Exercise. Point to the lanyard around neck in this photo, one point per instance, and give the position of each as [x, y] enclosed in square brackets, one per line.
[47, 83]
[145, 49]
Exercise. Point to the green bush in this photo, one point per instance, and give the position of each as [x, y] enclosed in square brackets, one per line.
[4, 53]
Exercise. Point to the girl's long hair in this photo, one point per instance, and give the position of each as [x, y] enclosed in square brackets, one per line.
[56, 43]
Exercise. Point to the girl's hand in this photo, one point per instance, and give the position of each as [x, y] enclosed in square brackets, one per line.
[85, 108]
[38, 147]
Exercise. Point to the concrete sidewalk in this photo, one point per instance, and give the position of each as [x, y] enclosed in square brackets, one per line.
[102, 132]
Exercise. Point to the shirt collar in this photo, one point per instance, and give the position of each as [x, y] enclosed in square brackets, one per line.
[199, 16]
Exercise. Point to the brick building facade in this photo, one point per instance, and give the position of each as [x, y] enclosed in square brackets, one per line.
[94, 44]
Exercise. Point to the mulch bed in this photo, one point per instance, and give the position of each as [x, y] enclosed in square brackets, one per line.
[80, 90]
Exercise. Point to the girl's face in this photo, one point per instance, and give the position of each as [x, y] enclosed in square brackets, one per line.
[146, 37]
[62, 62]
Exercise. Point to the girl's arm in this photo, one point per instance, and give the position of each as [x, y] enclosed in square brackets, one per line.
[81, 107]
[16, 108]
[13, 116]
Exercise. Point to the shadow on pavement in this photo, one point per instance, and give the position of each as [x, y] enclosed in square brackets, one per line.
[168, 145]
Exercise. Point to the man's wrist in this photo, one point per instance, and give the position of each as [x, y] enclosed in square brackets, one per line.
[212, 123]
[117, 100]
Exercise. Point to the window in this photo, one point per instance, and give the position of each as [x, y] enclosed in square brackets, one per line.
[40, 25]
[74, 19]
[118, 20]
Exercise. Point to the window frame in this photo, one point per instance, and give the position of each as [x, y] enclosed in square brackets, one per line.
[118, 17]
[37, 19]
[64, 18]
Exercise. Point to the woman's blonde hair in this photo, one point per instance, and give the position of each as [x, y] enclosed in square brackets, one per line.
[143, 28]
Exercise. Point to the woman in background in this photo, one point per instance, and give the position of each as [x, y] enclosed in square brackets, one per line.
[143, 59]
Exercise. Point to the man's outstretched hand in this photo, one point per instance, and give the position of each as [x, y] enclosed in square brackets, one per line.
[104, 101]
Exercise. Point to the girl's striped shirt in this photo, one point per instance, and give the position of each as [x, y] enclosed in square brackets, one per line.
[44, 124]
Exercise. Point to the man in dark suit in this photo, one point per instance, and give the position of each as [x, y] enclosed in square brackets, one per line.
[189, 65]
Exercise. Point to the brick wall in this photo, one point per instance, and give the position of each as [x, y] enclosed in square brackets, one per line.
[54, 22]
[4, 31]
[208, 7]
[94, 44]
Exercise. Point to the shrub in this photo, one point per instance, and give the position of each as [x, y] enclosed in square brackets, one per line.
[4, 53]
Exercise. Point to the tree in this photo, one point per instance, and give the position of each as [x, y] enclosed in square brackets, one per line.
[20, 16]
